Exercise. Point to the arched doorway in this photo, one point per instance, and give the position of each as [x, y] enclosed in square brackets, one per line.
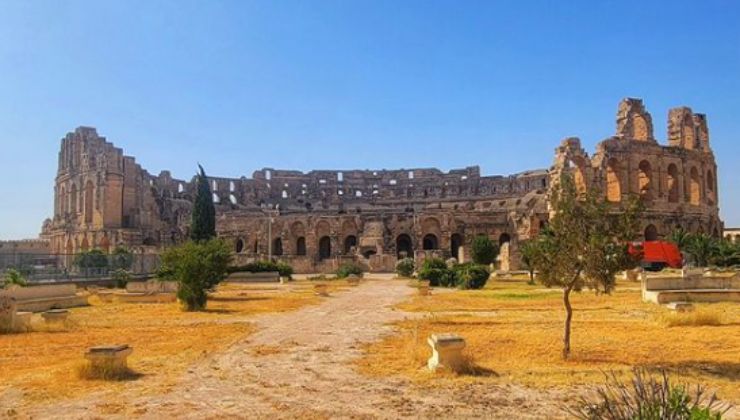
[349, 242]
[404, 247]
[651, 233]
[456, 242]
[694, 187]
[300, 246]
[672, 183]
[239, 246]
[324, 247]
[710, 187]
[613, 183]
[505, 238]
[430, 242]
[89, 202]
[644, 180]
[277, 247]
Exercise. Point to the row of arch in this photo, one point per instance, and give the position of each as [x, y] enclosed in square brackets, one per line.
[646, 180]
[74, 202]
[403, 242]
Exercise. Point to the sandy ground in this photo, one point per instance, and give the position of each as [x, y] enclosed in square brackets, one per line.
[299, 365]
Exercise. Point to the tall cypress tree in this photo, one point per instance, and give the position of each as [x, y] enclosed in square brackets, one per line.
[203, 225]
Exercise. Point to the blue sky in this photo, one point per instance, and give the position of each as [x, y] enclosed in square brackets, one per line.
[307, 85]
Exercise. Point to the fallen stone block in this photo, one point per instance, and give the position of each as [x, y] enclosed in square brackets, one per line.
[55, 316]
[681, 306]
[446, 352]
[321, 290]
[22, 321]
[108, 361]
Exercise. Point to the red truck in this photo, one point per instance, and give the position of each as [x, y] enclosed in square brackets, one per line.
[657, 255]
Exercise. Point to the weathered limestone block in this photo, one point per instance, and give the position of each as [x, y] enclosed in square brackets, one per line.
[55, 316]
[106, 296]
[22, 322]
[633, 275]
[109, 358]
[692, 272]
[680, 306]
[7, 313]
[321, 290]
[446, 352]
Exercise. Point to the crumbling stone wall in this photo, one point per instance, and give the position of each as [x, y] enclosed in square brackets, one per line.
[319, 219]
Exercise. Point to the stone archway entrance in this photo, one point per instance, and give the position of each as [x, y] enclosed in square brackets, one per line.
[324, 248]
[404, 247]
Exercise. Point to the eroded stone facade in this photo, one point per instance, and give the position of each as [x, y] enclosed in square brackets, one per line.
[319, 219]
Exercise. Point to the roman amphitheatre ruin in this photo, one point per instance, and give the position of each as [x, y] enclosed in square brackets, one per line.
[317, 220]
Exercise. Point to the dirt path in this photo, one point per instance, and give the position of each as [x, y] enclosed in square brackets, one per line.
[299, 365]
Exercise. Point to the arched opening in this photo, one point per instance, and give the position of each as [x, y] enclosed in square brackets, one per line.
[644, 180]
[239, 247]
[456, 242]
[89, 202]
[277, 247]
[349, 242]
[710, 187]
[672, 183]
[430, 242]
[180, 188]
[324, 248]
[579, 178]
[369, 253]
[232, 198]
[105, 244]
[651, 233]
[639, 128]
[256, 248]
[63, 201]
[504, 238]
[404, 248]
[613, 183]
[73, 200]
[85, 244]
[694, 187]
[216, 198]
[300, 246]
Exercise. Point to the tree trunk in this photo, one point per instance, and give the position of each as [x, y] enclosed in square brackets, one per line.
[568, 317]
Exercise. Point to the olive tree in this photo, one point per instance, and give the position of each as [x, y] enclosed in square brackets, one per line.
[584, 245]
[197, 267]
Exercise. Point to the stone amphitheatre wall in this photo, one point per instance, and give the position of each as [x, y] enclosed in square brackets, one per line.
[319, 219]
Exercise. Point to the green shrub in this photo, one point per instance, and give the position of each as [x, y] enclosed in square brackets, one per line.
[484, 250]
[121, 258]
[14, 277]
[263, 266]
[647, 397]
[347, 269]
[435, 271]
[94, 259]
[471, 276]
[405, 267]
[197, 267]
[121, 277]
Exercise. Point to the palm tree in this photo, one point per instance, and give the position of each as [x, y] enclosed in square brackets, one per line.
[726, 254]
[681, 238]
[701, 247]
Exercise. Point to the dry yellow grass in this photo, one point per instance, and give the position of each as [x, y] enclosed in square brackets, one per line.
[45, 364]
[703, 316]
[514, 332]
